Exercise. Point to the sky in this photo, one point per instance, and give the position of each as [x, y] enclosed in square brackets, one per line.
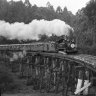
[72, 5]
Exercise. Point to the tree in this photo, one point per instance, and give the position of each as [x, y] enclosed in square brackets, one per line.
[16, 12]
[66, 15]
[27, 3]
[43, 37]
[90, 11]
[3, 9]
[59, 10]
[48, 5]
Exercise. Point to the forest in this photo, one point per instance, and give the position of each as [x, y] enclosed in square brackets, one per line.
[83, 21]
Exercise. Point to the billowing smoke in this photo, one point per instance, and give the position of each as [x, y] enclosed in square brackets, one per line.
[32, 30]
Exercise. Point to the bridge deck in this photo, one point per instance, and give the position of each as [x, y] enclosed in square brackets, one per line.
[87, 59]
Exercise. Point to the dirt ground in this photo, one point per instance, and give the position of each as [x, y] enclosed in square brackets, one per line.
[28, 91]
[31, 94]
[20, 94]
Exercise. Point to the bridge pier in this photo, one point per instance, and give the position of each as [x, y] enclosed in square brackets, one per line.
[83, 80]
[54, 73]
[46, 67]
[36, 66]
[20, 70]
[29, 67]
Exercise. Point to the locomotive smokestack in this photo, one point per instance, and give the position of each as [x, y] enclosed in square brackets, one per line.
[32, 30]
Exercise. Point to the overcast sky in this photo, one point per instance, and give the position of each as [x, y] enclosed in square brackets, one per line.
[72, 5]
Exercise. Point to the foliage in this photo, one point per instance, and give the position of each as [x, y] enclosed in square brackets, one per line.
[8, 81]
[24, 12]
[90, 11]
[85, 29]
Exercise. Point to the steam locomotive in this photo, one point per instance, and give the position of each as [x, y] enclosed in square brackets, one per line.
[63, 44]
[67, 45]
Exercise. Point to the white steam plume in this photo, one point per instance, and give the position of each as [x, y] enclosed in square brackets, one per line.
[32, 30]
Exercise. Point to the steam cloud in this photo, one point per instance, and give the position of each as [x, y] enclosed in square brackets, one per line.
[32, 30]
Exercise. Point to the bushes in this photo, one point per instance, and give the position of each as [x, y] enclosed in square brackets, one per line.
[8, 81]
[88, 49]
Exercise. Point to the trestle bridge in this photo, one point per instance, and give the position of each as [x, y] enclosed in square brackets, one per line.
[57, 72]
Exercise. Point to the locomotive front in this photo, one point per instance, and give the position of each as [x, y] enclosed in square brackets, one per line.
[66, 45]
[71, 47]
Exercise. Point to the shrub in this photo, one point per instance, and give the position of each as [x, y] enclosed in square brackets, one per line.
[8, 80]
[88, 49]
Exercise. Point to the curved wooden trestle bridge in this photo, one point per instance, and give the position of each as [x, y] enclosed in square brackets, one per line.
[57, 72]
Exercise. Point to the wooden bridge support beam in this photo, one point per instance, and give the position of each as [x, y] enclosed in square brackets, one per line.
[42, 73]
[29, 64]
[54, 73]
[64, 76]
[21, 66]
[37, 68]
[58, 70]
[46, 67]
[83, 79]
[67, 77]
[48, 74]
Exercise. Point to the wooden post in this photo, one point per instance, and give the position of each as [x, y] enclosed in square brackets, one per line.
[48, 73]
[46, 69]
[62, 66]
[54, 73]
[66, 77]
[31, 66]
[0, 92]
[21, 69]
[57, 72]
[86, 81]
[63, 77]
[28, 74]
[80, 79]
[69, 73]
[36, 67]
[42, 72]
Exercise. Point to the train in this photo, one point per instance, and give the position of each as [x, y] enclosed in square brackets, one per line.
[63, 44]
[67, 45]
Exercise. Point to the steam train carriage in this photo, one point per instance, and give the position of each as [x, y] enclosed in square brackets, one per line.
[65, 45]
